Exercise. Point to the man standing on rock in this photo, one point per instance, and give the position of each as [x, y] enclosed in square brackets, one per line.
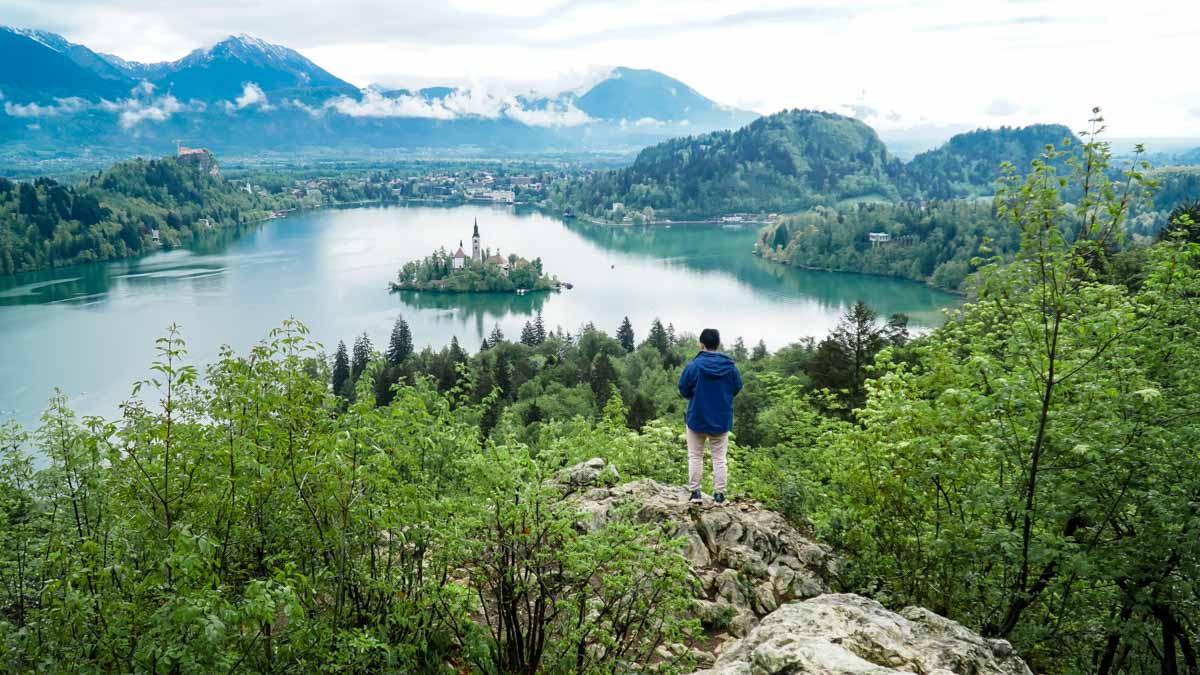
[709, 383]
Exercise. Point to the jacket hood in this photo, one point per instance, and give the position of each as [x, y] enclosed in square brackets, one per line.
[714, 364]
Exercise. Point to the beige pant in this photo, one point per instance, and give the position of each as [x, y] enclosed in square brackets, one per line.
[717, 444]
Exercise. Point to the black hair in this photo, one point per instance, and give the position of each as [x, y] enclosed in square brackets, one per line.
[710, 338]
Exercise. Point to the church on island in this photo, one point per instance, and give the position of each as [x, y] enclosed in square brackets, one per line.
[460, 256]
[478, 272]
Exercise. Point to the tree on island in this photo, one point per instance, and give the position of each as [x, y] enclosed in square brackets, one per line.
[438, 272]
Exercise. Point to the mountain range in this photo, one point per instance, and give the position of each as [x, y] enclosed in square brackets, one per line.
[245, 94]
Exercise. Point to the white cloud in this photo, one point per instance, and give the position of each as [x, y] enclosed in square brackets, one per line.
[374, 104]
[252, 94]
[549, 116]
[460, 103]
[61, 106]
[143, 106]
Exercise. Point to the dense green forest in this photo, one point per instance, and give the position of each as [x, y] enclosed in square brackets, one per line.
[941, 242]
[933, 242]
[1031, 469]
[785, 162]
[115, 213]
[795, 160]
[969, 163]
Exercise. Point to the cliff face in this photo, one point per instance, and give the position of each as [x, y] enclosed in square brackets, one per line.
[764, 592]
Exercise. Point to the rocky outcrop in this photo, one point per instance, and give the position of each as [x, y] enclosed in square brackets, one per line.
[842, 633]
[747, 560]
[764, 581]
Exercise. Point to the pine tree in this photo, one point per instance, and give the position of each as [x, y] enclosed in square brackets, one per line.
[841, 360]
[539, 328]
[658, 338]
[503, 376]
[496, 337]
[738, 353]
[897, 329]
[457, 355]
[529, 335]
[400, 347]
[483, 346]
[341, 368]
[625, 335]
[601, 378]
[760, 351]
[641, 410]
[360, 356]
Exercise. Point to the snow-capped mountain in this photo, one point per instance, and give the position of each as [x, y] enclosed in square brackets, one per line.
[245, 93]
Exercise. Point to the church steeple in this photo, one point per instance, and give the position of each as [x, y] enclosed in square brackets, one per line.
[476, 251]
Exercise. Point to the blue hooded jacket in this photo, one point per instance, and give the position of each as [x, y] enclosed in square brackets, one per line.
[709, 383]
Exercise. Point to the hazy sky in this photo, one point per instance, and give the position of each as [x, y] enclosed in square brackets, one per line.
[937, 62]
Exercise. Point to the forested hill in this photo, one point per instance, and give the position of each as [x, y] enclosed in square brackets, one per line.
[788, 161]
[796, 160]
[117, 213]
[970, 163]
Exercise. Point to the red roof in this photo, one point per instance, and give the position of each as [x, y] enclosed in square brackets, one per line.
[459, 254]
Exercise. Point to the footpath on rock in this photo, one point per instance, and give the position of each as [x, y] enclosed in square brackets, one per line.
[766, 602]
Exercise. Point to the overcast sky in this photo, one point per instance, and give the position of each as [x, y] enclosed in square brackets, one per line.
[901, 64]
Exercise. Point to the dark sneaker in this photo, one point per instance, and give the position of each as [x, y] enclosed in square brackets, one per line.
[696, 497]
[719, 499]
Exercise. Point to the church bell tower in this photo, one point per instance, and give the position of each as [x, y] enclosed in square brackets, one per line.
[476, 252]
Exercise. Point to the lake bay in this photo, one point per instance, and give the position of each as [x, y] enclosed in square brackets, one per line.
[90, 330]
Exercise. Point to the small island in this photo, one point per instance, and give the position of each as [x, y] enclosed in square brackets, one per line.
[479, 272]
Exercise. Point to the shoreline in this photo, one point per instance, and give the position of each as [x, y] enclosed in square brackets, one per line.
[881, 275]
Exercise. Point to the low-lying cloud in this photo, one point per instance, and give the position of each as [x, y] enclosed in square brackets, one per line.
[143, 105]
[61, 106]
[460, 103]
[252, 95]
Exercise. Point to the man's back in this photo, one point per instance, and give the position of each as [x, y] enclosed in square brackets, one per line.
[709, 383]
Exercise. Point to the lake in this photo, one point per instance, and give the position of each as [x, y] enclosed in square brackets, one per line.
[90, 330]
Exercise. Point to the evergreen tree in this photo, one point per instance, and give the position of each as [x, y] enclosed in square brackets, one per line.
[483, 346]
[739, 353]
[760, 351]
[625, 335]
[1183, 221]
[360, 356]
[842, 359]
[539, 328]
[341, 368]
[457, 355]
[529, 335]
[601, 378]
[496, 337]
[503, 375]
[896, 331]
[658, 338]
[400, 347]
[641, 410]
